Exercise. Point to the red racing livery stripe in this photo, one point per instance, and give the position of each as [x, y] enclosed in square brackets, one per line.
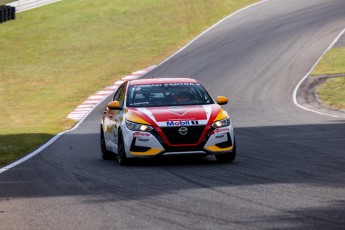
[175, 113]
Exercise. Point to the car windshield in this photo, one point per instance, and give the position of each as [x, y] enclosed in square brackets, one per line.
[167, 94]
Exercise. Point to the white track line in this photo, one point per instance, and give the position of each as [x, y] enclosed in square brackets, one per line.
[294, 96]
[41, 148]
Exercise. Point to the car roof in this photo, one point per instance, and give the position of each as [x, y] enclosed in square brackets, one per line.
[161, 81]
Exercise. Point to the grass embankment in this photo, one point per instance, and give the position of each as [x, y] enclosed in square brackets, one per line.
[3, 2]
[332, 92]
[52, 58]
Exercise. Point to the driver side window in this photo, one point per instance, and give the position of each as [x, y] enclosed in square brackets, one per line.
[120, 94]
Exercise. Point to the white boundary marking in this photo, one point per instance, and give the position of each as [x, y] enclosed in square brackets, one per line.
[294, 96]
[51, 141]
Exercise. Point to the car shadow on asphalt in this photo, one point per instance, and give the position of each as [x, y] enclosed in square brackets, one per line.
[289, 162]
[310, 154]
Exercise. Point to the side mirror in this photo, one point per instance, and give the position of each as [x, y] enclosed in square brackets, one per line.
[114, 105]
[221, 100]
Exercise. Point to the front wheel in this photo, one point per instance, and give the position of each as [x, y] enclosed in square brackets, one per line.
[227, 157]
[121, 154]
[106, 154]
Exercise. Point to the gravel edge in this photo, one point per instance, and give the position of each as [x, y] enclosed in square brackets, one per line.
[308, 97]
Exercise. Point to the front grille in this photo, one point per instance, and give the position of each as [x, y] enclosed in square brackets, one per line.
[199, 147]
[192, 136]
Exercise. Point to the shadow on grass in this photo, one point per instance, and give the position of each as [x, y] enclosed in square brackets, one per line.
[14, 146]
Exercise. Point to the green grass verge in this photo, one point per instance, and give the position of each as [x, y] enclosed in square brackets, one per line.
[332, 92]
[3, 2]
[332, 63]
[14, 145]
[53, 57]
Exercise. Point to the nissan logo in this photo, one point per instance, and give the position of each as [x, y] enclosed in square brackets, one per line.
[183, 130]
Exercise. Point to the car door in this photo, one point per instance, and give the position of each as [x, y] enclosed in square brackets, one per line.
[114, 117]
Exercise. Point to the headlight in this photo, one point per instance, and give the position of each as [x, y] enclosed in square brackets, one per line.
[138, 127]
[221, 123]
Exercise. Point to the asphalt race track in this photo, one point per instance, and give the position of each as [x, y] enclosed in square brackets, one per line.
[290, 170]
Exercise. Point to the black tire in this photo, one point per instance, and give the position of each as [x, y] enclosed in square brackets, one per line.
[227, 157]
[121, 155]
[106, 154]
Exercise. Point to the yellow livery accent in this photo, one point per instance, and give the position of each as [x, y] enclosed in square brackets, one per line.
[150, 152]
[217, 149]
[114, 105]
[131, 116]
[221, 115]
[221, 100]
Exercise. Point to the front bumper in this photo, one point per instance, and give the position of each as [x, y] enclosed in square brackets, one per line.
[150, 144]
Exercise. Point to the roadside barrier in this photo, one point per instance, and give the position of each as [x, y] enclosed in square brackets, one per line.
[23, 5]
[7, 13]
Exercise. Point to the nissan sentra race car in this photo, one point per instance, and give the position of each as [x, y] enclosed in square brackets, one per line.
[165, 116]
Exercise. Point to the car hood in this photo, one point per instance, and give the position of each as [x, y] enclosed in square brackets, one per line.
[177, 115]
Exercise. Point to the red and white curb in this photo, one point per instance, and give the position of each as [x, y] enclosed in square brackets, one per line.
[83, 109]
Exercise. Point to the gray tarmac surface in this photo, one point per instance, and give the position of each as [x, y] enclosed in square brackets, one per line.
[290, 170]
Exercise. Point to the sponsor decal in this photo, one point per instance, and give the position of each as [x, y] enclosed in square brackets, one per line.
[164, 84]
[141, 134]
[182, 123]
[139, 87]
[220, 136]
[142, 140]
[180, 83]
[221, 130]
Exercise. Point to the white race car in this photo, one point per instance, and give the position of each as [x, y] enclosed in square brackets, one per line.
[165, 116]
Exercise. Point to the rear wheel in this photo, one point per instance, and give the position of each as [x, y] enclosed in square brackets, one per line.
[227, 157]
[106, 154]
[121, 154]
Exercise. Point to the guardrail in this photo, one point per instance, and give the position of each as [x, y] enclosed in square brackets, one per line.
[23, 5]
